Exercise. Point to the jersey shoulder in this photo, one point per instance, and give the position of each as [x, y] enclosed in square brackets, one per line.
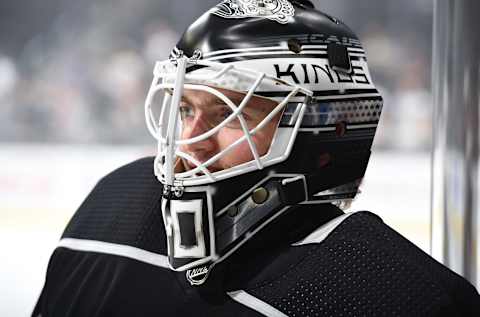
[361, 265]
[123, 208]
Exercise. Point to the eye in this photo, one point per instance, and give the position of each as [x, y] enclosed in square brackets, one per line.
[225, 113]
[186, 111]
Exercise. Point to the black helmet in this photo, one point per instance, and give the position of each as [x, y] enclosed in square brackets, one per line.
[314, 69]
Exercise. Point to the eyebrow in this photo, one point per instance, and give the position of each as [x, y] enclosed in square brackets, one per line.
[214, 100]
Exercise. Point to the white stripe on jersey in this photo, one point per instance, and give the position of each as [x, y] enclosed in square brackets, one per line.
[323, 231]
[256, 304]
[115, 249]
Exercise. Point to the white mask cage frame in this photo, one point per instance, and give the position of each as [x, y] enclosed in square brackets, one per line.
[168, 146]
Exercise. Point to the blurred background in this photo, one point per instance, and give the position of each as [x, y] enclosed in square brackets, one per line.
[73, 78]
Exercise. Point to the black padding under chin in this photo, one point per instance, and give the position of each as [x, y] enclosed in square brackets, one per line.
[186, 222]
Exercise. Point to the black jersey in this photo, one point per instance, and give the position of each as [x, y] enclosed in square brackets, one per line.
[313, 261]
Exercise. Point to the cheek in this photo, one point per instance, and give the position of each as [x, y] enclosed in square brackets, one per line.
[263, 139]
[183, 136]
[242, 153]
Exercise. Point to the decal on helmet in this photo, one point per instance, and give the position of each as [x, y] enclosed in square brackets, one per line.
[276, 10]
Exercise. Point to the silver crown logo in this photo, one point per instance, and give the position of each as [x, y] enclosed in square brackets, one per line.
[276, 10]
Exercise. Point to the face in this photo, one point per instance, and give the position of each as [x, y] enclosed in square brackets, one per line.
[201, 111]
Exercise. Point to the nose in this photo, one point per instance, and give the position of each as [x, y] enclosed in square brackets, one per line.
[201, 150]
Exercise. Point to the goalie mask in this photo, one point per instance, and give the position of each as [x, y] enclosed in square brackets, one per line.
[262, 105]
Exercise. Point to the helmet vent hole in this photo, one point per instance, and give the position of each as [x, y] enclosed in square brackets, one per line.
[294, 45]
